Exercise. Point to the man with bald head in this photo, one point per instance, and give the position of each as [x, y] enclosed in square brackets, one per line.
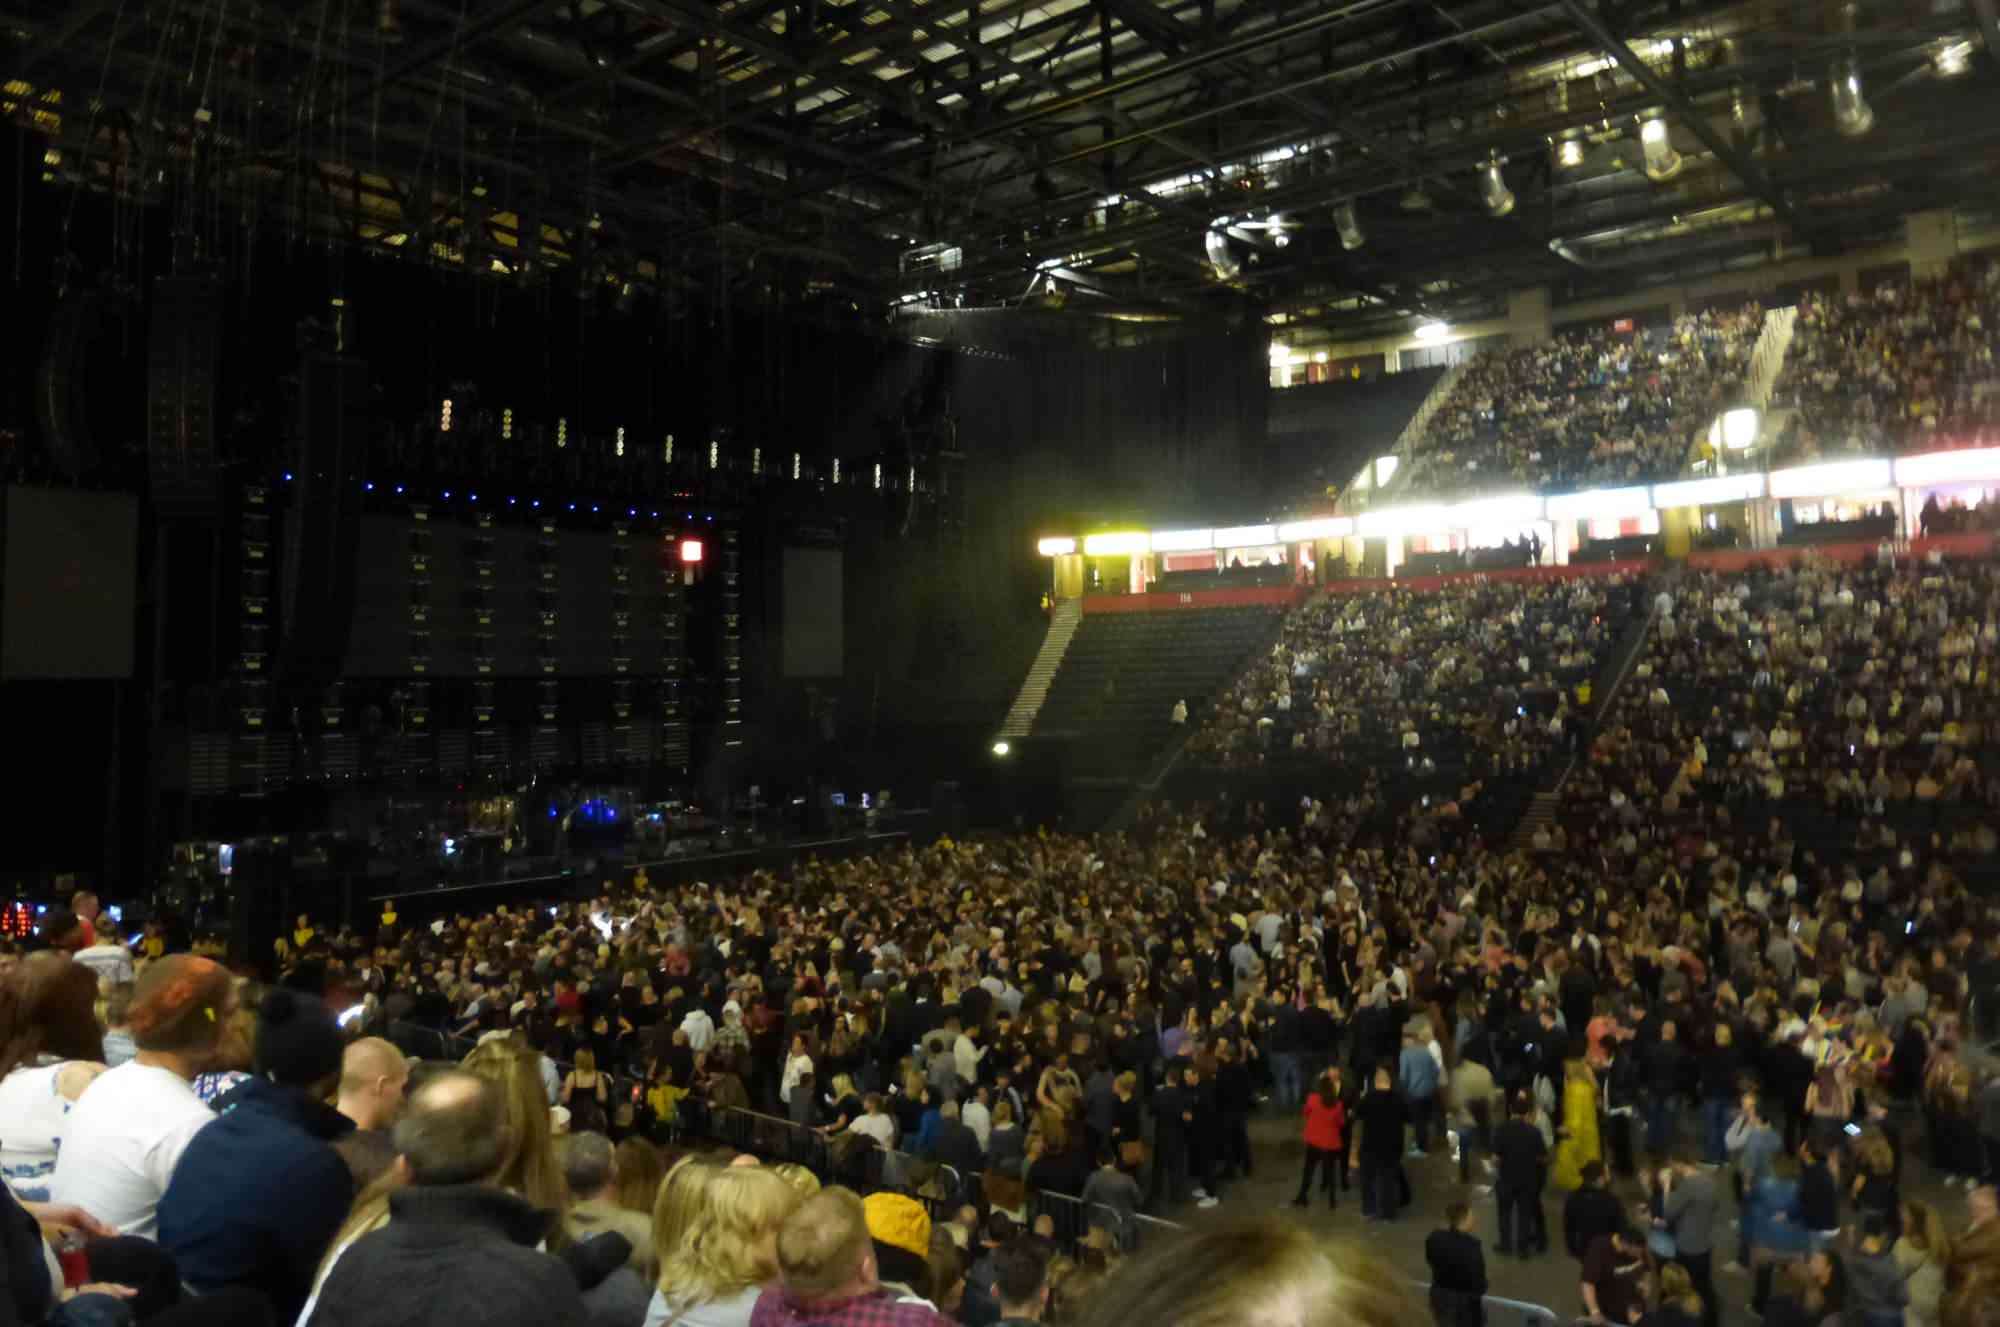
[458, 1248]
[373, 1075]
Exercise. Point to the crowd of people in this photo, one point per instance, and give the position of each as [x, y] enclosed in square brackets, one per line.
[1477, 676]
[1587, 409]
[1677, 1006]
[1906, 366]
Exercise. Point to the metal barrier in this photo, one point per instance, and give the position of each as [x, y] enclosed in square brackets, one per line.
[1503, 1312]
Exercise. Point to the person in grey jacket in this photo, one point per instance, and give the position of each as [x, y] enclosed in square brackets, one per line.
[1691, 1212]
[1752, 1144]
[1876, 1290]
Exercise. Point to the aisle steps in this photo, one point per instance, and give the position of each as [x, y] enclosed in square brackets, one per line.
[1063, 622]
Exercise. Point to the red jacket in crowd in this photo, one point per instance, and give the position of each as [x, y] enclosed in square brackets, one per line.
[1326, 1126]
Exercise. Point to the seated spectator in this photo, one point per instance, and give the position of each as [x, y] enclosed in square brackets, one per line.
[458, 1247]
[53, 1050]
[373, 1078]
[590, 1168]
[258, 1193]
[723, 1258]
[1262, 1271]
[128, 1131]
[828, 1274]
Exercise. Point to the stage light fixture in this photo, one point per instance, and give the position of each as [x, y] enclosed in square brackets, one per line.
[878, 474]
[1852, 114]
[618, 447]
[507, 424]
[562, 433]
[795, 465]
[756, 460]
[1349, 226]
[1493, 190]
[836, 469]
[1953, 58]
[690, 550]
[444, 417]
[1569, 153]
[1002, 748]
[714, 453]
[1215, 243]
[1433, 331]
[1662, 162]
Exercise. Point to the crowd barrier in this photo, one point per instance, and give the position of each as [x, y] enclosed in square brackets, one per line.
[1503, 1312]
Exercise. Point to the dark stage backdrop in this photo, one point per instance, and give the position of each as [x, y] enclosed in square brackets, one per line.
[70, 579]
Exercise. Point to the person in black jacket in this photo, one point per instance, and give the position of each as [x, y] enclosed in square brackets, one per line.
[1819, 1193]
[1591, 1211]
[1235, 1098]
[1173, 1115]
[1381, 1118]
[457, 1248]
[1458, 1269]
[1522, 1154]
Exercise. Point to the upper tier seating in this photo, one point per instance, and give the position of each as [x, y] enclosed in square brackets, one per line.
[1897, 368]
[1124, 671]
[1470, 677]
[1587, 409]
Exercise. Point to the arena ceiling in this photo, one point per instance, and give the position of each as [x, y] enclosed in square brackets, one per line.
[1107, 162]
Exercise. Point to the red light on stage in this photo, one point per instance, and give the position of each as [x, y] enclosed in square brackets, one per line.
[690, 550]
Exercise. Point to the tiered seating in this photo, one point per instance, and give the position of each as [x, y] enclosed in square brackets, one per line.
[1124, 671]
[1586, 409]
[1896, 368]
[1857, 706]
[1467, 677]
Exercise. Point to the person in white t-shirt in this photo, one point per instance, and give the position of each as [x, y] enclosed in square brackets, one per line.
[111, 961]
[35, 1102]
[875, 1122]
[127, 1132]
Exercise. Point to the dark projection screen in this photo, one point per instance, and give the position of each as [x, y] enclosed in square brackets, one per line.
[71, 564]
[814, 645]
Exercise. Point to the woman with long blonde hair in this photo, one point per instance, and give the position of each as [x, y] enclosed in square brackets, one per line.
[722, 1261]
[1580, 1144]
[1921, 1254]
[530, 1168]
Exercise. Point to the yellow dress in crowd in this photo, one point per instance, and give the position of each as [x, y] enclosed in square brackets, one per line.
[1580, 1145]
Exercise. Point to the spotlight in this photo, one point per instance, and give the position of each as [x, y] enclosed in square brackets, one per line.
[714, 453]
[562, 433]
[878, 475]
[1739, 427]
[1433, 332]
[795, 465]
[1570, 154]
[1662, 162]
[1493, 189]
[670, 449]
[1002, 748]
[1349, 226]
[1215, 243]
[1953, 58]
[618, 447]
[1852, 114]
[836, 469]
[756, 460]
[444, 417]
[507, 424]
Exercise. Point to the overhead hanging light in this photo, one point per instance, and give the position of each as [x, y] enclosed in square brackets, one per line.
[1852, 114]
[1215, 242]
[1953, 58]
[1493, 190]
[1349, 226]
[1569, 154]
[1662, 162]
[1415, 198]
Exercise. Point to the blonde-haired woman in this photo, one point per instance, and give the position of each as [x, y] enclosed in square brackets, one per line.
[1580, 1145]
[1920, 1256]
[530, 1168]
[721, 1265]
[1262, 1271]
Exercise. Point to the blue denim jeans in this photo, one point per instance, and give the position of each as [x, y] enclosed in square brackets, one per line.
[1288, 1082]
[1715, 1129]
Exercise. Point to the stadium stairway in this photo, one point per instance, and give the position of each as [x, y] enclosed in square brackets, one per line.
[1767, 358]
[1063, 623]
[1541, 814]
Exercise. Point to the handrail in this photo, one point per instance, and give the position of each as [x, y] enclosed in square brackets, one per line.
[1541, 1315]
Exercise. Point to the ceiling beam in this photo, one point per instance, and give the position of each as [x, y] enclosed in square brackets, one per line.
[1745, 169]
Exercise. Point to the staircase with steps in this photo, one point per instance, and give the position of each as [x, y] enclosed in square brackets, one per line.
[1406, 441]
[1767, 357]
[1541, 814]
[1063, 622]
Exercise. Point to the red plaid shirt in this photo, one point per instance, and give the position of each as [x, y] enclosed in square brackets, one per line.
[880, 1308]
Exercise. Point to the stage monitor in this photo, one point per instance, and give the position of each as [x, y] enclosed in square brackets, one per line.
[70, 588]
[813, 641]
